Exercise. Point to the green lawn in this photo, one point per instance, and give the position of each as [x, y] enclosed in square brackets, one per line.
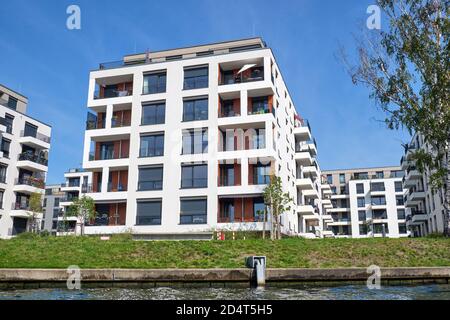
[122, 252]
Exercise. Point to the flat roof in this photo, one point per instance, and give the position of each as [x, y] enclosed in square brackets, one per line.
[362, 169]
[13, 93]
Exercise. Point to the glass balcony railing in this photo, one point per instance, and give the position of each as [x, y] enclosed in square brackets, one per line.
[36, 135]
[33, 158]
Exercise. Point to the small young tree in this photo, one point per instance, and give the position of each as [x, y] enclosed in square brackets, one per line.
[278, 202]
[35, 204]
[84, 209]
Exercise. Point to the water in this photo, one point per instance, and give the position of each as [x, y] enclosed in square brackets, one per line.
[348, 292]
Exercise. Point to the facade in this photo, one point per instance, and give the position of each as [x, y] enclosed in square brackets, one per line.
[367, 202]
[182, 142]
[425, 206]
[25, 143]
[52, 208]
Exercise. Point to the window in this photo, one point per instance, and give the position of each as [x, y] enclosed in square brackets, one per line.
[195, 141]
[154, 113]
[258, 138]
[195, 109]
[377, 186]
[5, 147]
[399, 200]
[379, 174]
[154, 83]
[381, 228]
[342, 178]
[402, 228]
[378, 200]
[258, 209]
[30, 130]
[9, 119]
[398, 186]
[261, 173]
[379, 214]
[106, 150]
[194, 176]
[361, 202]
[3, 173]
[259, 105]
[148, 212]
[397, 174]
[362, 215]
[360, 188]
[329, 179]
[195, 78]
[363, 229]
[56, 204]
[400, 214]
[193, 211]
[227, 175]
[150, 178]
[12, 103]
[152, 145]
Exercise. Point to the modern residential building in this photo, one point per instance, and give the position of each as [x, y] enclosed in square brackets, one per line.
[25, 143]
[182, 142]
[52, 209]
[367, 202]
[425, 206]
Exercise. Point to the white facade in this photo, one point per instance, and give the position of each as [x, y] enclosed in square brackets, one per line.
[368, 202]
[24, 159]
[251, 122]
[425, 206]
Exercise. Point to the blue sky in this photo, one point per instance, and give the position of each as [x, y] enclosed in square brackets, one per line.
[50, 64]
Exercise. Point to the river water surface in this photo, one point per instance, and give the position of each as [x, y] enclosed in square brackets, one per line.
[349, 292]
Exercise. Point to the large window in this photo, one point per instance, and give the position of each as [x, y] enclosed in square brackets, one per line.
[150, 178]
[227, 175]
[379, 214]
[3, 169]
[398, 186]
[193, 211]
[9, 120]
[261, 173]
[402, 228]
[154, 113]
[342, 178]
[258, 138]
[195, 141]
[380, 228]
[5, 147]
[363, 229]
[195, 109]
[361, 202]
[195, 78]
[194, 176]
[377, 186]
[329, 179]
[399, 200]
[148, 212]
[362, 215]
[258, 209]
[152, 145]
[106, 150]
[378, 200]
[401, 214]
[260, 105]
[154, 83]
[30, 130]
[12, 103]
[360, 188]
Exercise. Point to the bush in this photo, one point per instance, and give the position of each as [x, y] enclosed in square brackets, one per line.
[45, 233]
[435, 235]
[27, 236]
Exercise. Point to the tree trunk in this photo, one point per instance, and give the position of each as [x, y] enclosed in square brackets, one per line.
[446, 195]
[264, 222]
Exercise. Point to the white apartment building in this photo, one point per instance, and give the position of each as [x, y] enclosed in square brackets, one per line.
[51, 207]
[181, 143]
[425, 206]
[25, 143]
[367, 202]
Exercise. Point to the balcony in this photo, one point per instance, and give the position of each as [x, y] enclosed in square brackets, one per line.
[239, 210]
[34, 139]
[260, 105]
[32, 161]
[229, 105]
[304, 159]
[229, 175]
[306, 210]
[302, 130]
[304, 184]
[236, 72]
[29, 185]
[114, 87]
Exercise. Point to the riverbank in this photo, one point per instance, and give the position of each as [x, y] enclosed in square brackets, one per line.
[123, 252]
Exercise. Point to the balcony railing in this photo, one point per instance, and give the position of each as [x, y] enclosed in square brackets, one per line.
[26, 156]
[36, 135]
[116, 187]
[112, 94]
[21, 206]
[117, 123]
[255, 74]
[31, 181]
[89, 188]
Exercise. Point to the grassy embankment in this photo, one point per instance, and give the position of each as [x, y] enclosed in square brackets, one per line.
[122, 252]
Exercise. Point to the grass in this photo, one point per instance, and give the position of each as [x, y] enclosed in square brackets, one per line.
[122, 252]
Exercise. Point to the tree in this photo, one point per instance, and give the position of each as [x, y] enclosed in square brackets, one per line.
[35, 209]
[278, 202]
[406, 68]
[84, 209]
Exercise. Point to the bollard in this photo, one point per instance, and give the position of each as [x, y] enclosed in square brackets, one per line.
[258, 263]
